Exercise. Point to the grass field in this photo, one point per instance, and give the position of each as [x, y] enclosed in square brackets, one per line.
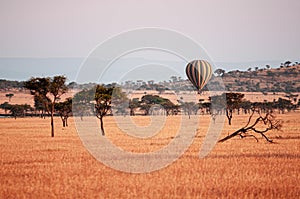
[34, 165]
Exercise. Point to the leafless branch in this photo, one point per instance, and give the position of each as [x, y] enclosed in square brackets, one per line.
[268, 121]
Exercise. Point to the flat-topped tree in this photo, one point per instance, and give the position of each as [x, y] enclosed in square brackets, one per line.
[48, 90]
[9, 95]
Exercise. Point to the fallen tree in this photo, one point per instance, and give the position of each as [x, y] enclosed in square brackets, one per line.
[260, 126]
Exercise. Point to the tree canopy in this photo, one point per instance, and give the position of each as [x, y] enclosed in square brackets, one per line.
[47, 90]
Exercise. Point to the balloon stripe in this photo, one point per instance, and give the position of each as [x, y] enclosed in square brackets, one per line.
[200, 67]
[204, 73]
[199, 72]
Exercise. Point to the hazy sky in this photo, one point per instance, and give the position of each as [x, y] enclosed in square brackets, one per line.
[230, 31]
[240, 31]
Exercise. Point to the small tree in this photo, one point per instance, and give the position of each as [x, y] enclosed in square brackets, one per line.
[64, 109]
[103, 103]
[220, 72]
[6, 106]
[82, 103]
[120, 102]
[229, 101]
[19, 110]
[39, 105]
[190, 107]
[43, 87]
[9, 95]
[133, 104]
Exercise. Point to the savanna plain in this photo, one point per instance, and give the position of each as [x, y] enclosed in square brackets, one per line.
[34, 165]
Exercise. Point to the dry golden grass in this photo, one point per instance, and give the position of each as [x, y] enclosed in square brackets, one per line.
[34, 165]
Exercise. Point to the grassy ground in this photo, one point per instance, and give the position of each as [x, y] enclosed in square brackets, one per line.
[34, 165]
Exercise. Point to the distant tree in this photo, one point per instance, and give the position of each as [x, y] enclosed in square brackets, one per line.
[287, 63]
[160, 89]
[49, 90]
[72, 85]
[283, 104]
[174, 79]
[170, 107]
[5, 106]
[189, 108]
[133, 105]
[39, 105]
[233, 101]
[19, 110]
[103, 97]
[119, 101]
[82, 103]
[147, 101]
[246, 106]
[16, 110]
[9, 95]
[64, 109]
[220, 72]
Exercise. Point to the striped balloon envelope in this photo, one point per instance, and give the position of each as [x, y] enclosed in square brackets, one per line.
[199, 72]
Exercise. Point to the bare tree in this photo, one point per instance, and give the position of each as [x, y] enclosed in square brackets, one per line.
[260, 126]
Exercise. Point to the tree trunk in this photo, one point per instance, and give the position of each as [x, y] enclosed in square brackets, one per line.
[101, 124]
[229, 115]
[52, 122]
[64, 122]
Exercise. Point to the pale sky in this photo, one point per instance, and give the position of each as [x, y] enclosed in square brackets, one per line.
[230, 31]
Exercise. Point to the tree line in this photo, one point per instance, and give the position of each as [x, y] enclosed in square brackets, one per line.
[103, 100]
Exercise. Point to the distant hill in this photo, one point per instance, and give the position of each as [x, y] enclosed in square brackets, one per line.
[286, 78]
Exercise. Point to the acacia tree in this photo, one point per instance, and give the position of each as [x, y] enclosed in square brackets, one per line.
[229, 101]
[9, 95]
[49, 90]
[19, 110]
[39, 105]
[103, 103]
[133, 104]
[64, 109]
[16, 110]
[120, 102]
[82, 103]
[5, 106]
[190, 107]
[147, 101]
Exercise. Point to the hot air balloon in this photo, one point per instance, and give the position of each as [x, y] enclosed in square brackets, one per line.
[199, 73]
